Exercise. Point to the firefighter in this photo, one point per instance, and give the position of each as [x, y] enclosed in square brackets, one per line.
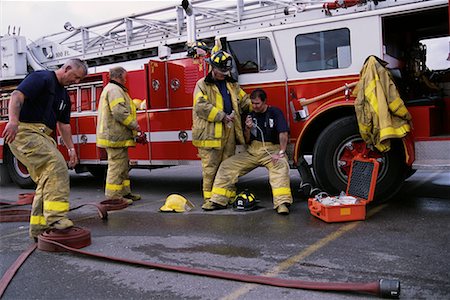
[117, 128]
[38, 106]
[267, 131]
[218, 104]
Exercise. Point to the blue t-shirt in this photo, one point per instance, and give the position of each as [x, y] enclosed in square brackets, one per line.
[222, 86]
[271, 122]
[46, 101]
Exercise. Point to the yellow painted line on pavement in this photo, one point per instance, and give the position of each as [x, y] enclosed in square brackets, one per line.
[291, 261]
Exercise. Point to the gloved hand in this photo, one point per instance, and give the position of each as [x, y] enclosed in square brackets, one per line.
[141, 138]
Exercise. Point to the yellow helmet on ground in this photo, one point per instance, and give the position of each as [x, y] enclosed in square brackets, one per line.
[176, 203]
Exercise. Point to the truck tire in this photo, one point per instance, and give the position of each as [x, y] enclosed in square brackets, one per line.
[335, 149]
[18, 172]
[4, 175]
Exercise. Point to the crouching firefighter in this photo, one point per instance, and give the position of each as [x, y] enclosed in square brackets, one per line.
[117, 128]
[38, 106]
[218, 104]
[266, 130]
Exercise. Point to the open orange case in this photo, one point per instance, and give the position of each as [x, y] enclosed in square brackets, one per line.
[361, 185]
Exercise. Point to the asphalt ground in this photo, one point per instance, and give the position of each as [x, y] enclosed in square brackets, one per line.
[406, 239]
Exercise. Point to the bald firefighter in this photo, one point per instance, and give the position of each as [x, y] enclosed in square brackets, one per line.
[218, 104]
[117, 128]
[38, 106]
[267, 131]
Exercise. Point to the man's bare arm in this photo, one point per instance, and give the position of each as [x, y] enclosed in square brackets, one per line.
[14, 107]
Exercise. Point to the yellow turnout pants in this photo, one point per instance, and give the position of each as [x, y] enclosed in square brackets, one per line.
[240, 164]
[117, 178]
[36, 149]
[211, 159]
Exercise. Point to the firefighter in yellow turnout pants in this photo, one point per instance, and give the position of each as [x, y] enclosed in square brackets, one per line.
[218, 104]
[267, 131]
[38, 106]
[116, 129]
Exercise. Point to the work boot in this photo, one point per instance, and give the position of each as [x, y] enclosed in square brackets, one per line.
[133, 197]
[62, 224]
[127, 200]
[209, 205]
[282, 209]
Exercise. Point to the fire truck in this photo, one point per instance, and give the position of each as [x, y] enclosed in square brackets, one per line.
[307, 56]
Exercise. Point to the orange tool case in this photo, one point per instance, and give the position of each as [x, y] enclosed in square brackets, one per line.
[361, 185]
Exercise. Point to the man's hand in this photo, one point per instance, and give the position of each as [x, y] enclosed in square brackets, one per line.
[229, 118]
[73, 158]
[10, 132]
[278, 156]
[249, 122]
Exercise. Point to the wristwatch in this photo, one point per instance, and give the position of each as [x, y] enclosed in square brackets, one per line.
[282, 152]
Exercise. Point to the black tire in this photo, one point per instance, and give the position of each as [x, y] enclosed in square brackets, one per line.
[98, 171]
[331, 161]
[18, 172]
[5, 179]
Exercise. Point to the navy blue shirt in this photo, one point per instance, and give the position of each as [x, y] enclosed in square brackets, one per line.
[222, 86]
[46, 101]
[271, 122]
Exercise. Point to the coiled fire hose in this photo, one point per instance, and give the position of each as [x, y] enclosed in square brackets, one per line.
[16, 215]
[23, 215]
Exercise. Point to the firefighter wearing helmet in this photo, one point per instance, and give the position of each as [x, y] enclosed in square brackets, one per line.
[218, 104]
[117, 128]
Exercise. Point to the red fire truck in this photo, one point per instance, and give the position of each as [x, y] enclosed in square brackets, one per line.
[307, 55]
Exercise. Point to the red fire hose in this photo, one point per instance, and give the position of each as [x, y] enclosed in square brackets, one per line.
[16, 215]
[74, 238]
[23, 215]
[384, 287]
[50, 241]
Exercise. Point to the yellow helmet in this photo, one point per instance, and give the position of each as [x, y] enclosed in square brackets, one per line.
[137, 102]
[176, 203]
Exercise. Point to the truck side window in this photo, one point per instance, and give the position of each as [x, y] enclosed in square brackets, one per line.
[253, 55]
[323, 50]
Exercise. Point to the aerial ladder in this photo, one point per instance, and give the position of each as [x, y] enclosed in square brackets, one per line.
[164, 31]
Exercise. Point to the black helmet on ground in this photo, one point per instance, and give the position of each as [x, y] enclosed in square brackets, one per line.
[244, 201]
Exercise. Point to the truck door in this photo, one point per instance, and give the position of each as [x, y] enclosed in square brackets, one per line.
[259, 65]
[172, 84]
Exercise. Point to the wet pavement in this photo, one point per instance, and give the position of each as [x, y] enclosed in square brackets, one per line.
[406, 239]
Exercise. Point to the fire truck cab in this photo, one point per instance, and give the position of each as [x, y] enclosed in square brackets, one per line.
[306, 55]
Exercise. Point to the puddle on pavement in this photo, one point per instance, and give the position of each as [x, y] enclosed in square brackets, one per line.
[224, 250]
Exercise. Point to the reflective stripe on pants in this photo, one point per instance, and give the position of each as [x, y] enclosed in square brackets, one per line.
[211, 159]
[242, 163]
[117, 179]
[47, 167]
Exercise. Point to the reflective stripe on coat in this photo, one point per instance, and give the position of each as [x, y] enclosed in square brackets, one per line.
[207, 113]
[116, 123]
[380, 111]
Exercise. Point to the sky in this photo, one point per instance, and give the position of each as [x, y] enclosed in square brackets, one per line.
[39, 18]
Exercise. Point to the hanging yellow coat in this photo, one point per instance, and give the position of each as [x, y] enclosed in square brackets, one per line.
[380, 111]
[116, 123]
